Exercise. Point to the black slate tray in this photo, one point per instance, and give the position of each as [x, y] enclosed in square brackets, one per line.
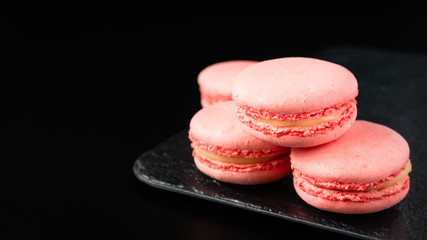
[391, 86]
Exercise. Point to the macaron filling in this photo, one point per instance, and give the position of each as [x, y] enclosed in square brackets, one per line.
[239, 159]
[401, 176]
[281, 165]
[228, 152]
[299, 124]
[302, 123]
[357, 192]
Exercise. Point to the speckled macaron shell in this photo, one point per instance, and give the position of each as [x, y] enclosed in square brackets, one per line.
[216, 80]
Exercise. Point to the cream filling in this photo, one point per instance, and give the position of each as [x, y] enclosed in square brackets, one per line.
[238, 160]
[402, 175]
[301, 123]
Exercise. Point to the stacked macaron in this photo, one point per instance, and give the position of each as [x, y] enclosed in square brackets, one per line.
[224, 151]
[307, 107]
[365, 170]
[296, 102]
[216, 80]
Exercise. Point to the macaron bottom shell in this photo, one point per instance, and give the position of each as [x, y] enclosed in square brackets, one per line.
[244, 174]
[355, 207]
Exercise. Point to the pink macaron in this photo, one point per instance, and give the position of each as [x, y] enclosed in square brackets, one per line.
[224, 151]
[363, 171]
[296, 101]
[216, 80]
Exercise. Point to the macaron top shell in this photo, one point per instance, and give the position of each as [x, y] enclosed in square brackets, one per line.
[367, 153]
[294, 85]
[216, 125]
[218, 78]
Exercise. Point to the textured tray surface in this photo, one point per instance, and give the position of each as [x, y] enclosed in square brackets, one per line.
[391, 88]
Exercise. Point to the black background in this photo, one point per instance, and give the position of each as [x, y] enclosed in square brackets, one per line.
[81, 100]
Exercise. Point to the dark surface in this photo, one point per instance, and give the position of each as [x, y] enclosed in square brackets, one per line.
[390, 84]
[84, 95]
